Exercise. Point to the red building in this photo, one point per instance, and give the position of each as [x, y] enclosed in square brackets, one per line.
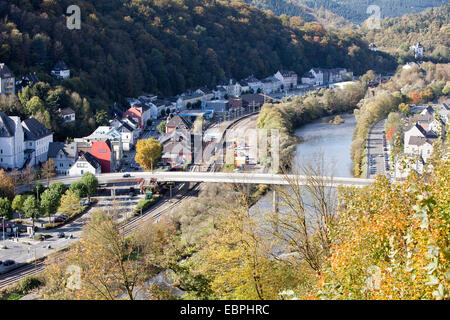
[234, 103]
[140, 114]
[103, 151]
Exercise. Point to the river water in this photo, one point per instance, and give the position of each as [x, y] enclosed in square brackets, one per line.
[333, 141]
[321, 138]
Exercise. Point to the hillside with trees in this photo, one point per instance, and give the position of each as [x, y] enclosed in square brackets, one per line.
[351, 10]
[431, 28]
[165, 47]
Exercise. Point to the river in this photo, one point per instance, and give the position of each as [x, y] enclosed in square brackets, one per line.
[320, 137]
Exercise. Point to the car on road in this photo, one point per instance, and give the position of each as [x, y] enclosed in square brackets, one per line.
[61, 235]
[126, 175]
[8, 262]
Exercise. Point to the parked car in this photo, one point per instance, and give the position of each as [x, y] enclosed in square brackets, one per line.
[8, 262]
[59, 219]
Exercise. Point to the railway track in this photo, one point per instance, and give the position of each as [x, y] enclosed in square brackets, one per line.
[127, 228]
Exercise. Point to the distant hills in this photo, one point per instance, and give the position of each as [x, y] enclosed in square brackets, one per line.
[351, 10]
[431, 28]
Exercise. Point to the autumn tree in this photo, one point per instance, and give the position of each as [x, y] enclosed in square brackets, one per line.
[392, 239]
[69, 203]
[111, 267]
[6, 185]
[48, 170]
[148, 153]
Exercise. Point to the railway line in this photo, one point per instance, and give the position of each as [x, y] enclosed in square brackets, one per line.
[126, 228]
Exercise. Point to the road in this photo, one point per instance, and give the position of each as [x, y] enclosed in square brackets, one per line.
[376, 154]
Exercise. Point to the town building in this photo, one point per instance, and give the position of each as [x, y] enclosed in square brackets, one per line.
[289, 79]
[141, 114]
[63, 155]
[11, 142]
[271, 85]
[67, 114]
[37, 139]
[7, 80]
[418, 50]
[86, 162]
[103, 151]
[176, 122]
[27, 80]
[61, 70]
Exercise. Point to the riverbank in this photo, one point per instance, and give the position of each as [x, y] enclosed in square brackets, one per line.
[291, 115]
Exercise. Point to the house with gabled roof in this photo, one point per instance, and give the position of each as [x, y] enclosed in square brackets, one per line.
[85, 162]
[288, 78]
[68, 114]
[12, 154]
[63, 155]
[37, 139]
[176, 122]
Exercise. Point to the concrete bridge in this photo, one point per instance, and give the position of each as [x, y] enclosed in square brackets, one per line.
[217, 177]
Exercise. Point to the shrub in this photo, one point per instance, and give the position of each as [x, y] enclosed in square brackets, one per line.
[145, 204]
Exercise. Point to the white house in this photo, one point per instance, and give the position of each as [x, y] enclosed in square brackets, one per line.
[233, 88]
[37, 140]
[68, 115]
[63, 155]
[289, 79]
[61, 71]
[271, 84]
[418, 50]
[127, 132]
[86, 162]
[11, 142]
[373, 47]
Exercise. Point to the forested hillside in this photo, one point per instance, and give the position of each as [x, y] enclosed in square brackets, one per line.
[352, 10]
[431, 28]
[125, 47]
[296, 8]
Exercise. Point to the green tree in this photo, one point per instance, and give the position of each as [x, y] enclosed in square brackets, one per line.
[79, 188]
[101, 118]
[50, 201]
[162, 127]
[34, 105]
[91, 183]
[17, 203]
[148, 153]
[58, 187]
[32, 208]
[5, 209]
[404, 108]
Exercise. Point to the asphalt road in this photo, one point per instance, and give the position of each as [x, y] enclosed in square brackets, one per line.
[376, 152]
